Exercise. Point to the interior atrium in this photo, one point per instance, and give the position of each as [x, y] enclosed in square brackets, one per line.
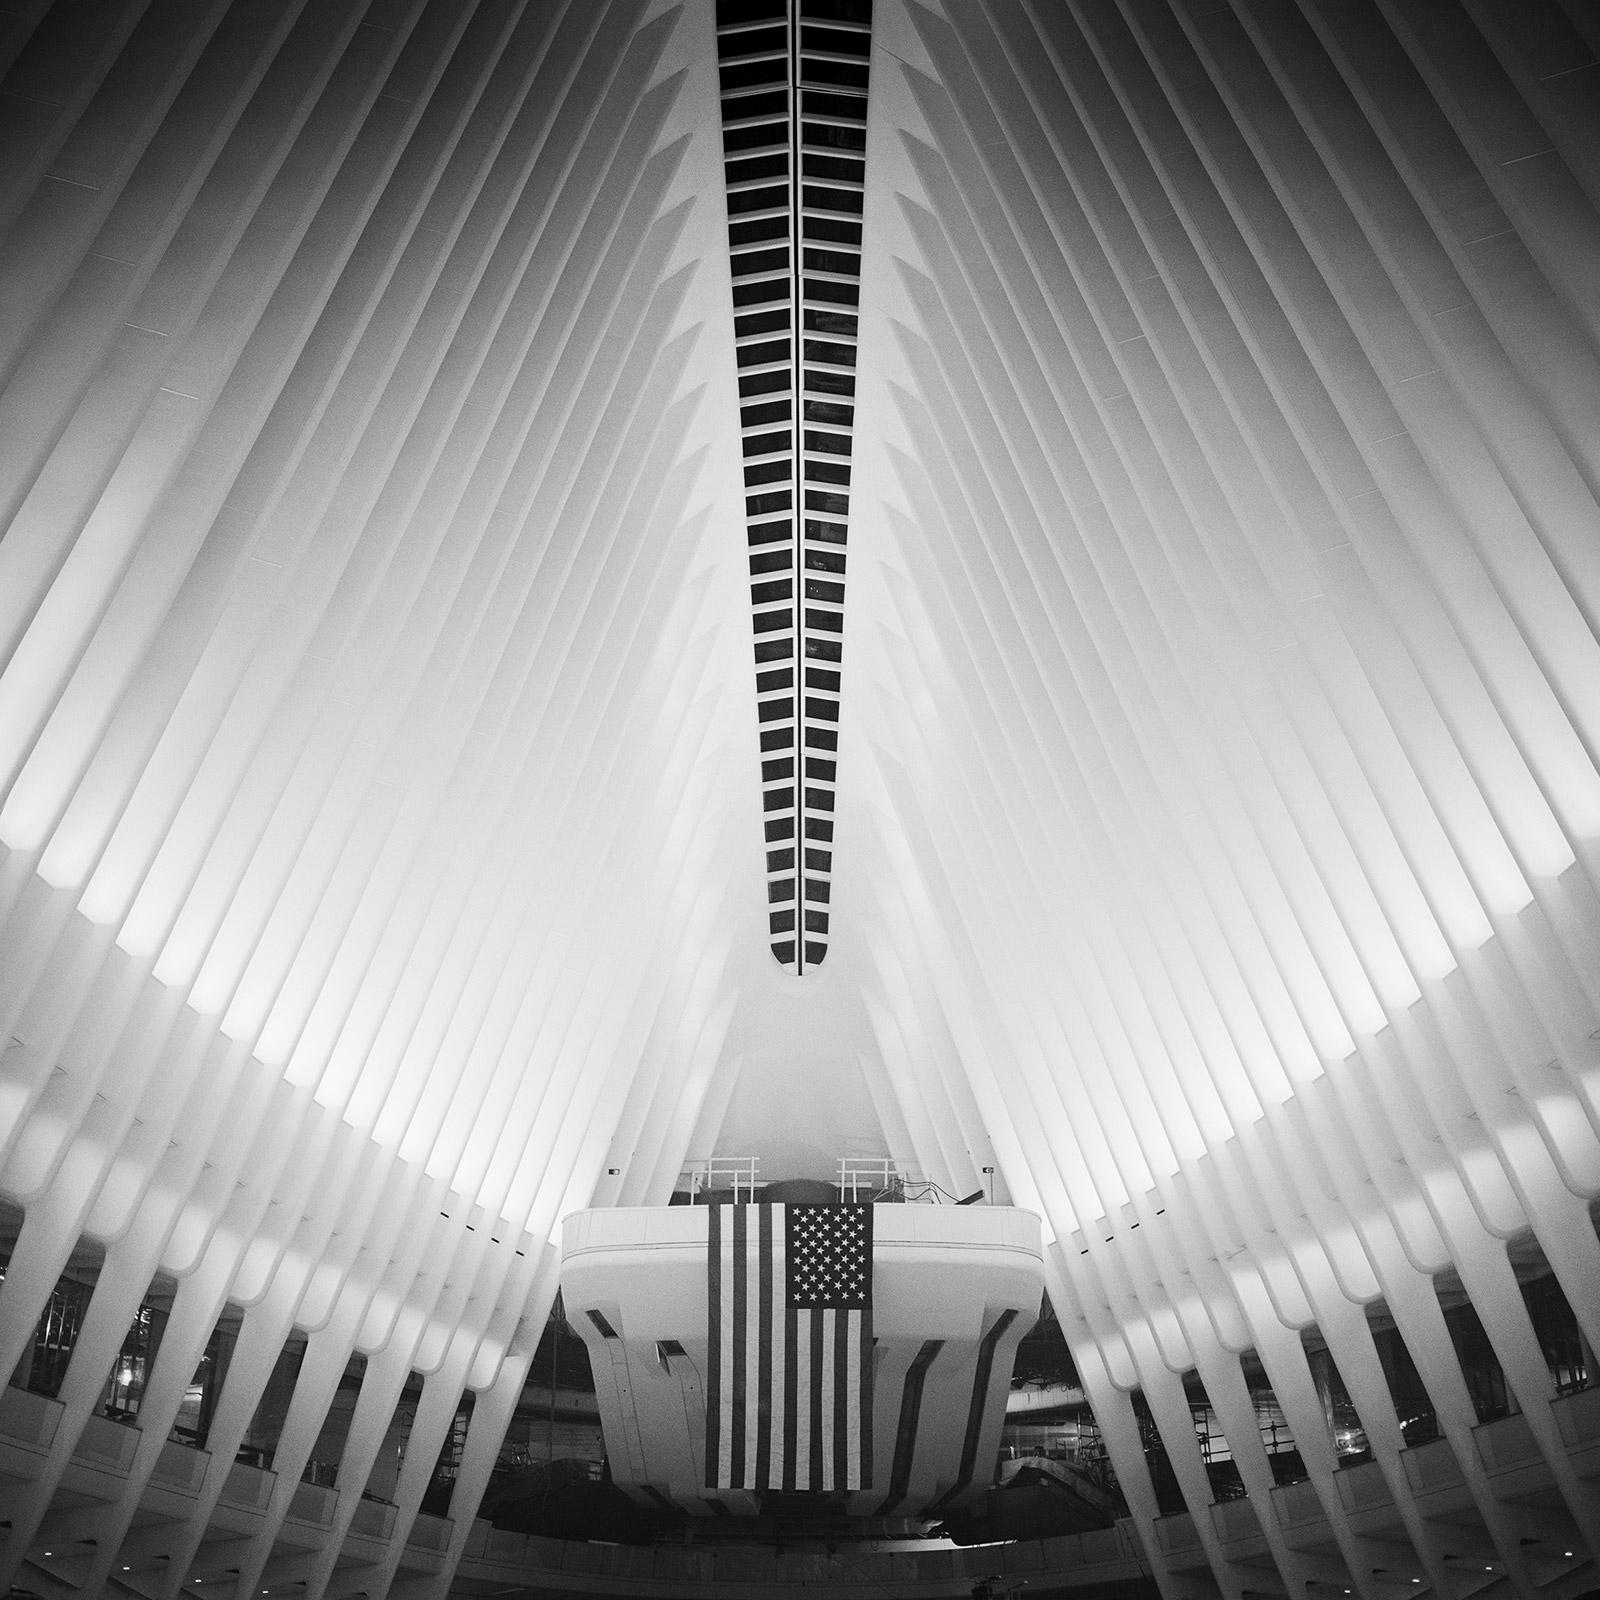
[610, 608]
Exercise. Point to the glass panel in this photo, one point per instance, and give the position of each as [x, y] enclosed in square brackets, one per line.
[193, 1425]
[1480, 1366]
[1283, 1455]
[385, 1474]
[1413, 1407]
[328, 1451]
[436, 1497]
[130, 1371]
[1345, 1431]
[266, 1426]
[43, 1365]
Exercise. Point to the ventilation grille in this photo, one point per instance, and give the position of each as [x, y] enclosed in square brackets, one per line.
[794, 101]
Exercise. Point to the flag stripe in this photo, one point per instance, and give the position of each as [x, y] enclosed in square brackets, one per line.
[791, 1385]
[752, 1355]
[844, 1324]
[866, 1378]
[731, 1323]
[763, 1386]
[847, 1328]
[729, 1371]
[778, 1377]
[741, 1300]
[802, 1403]
[715, 1303]
[819, 1375]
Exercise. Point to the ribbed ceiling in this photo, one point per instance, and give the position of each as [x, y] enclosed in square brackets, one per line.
[359, 591]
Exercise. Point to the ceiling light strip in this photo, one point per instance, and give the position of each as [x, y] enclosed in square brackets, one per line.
[795, 172]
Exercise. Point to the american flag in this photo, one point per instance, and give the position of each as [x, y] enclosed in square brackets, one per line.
[789, 1390]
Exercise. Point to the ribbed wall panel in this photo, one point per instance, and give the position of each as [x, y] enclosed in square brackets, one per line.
[1235, 659]
[359, 619]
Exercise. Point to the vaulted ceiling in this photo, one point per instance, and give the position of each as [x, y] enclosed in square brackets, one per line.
[1218, 792]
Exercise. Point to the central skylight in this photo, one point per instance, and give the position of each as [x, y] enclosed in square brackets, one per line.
[794, 101]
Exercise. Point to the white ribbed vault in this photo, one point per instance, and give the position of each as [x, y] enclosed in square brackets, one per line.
[1218, 820]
